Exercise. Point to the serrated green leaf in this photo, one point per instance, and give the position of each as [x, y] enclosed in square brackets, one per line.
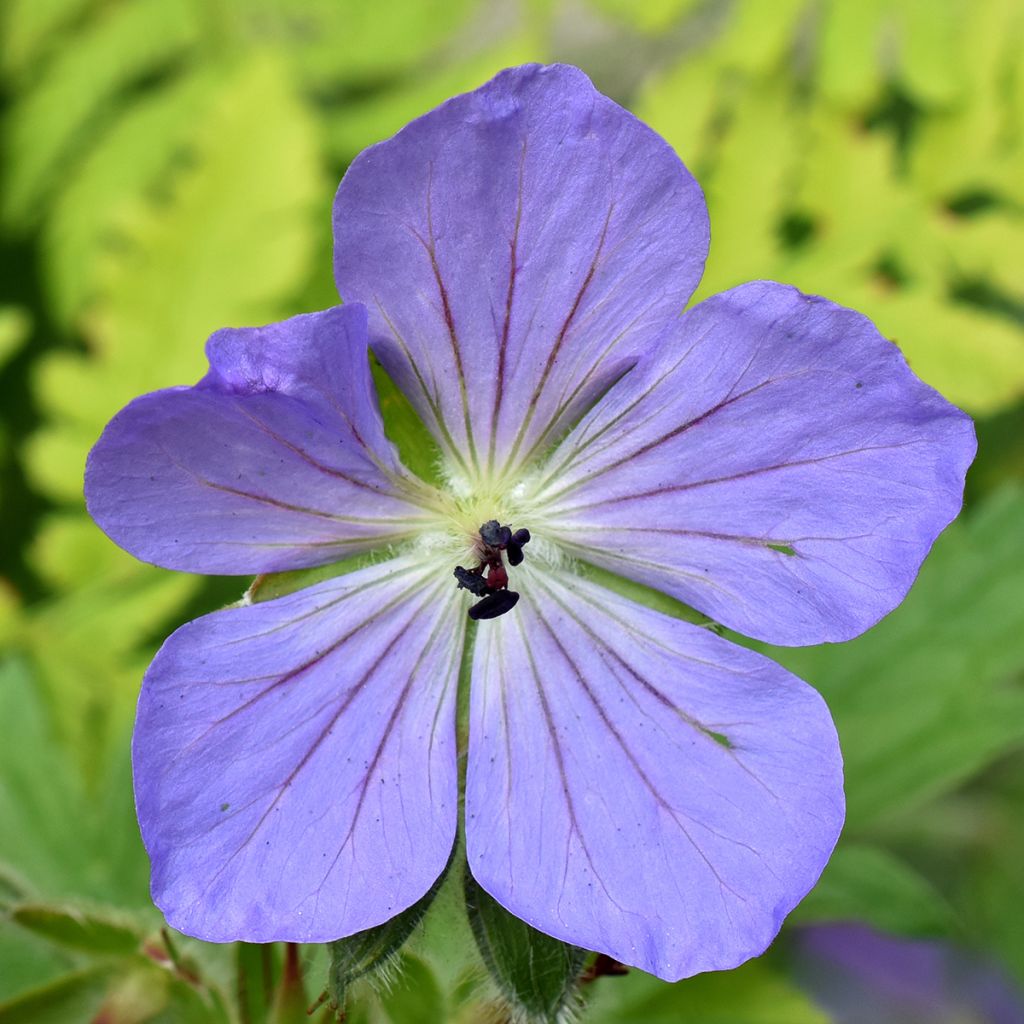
[760, 36]
[690, 127]
[930, 695]
[849, 70]
[106, 189]
[47, 126]
[379, 115]
[29, 27]
[747, 208]
[930, 34]
[91, 930]
[224, 246]
[330, 43]
[537, 974]
[870, 884]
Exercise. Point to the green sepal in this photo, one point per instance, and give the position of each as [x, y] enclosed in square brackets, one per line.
[404, 428]
[270, 585]
[537, 974]
[375, 949]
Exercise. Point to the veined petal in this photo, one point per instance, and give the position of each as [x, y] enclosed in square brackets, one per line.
[275, 460]
[295, 772]
[777, 466]
[516, 248]
[641, 787]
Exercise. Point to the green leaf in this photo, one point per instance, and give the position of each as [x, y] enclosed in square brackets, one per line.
[331, 44]
[71, 998]
[652, 16]
[849, 72]
[28, 962]
[92, 930]
[537, 974]
[751, 994]
[15, 327]
[290, 999]
[353, 127]
[867, 883]
[759, 34]
[225, 243]
[63, 840]
[414, 995]
[89, 646]
[29, 27]
[47, 126]
[103, 194]
[930, 34]
[931, 695]
[187, 1004]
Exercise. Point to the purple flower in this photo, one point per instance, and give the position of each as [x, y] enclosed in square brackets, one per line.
[635, 784]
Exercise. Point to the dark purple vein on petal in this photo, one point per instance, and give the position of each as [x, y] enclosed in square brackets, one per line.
[431, 250]
[696, 421]
[707, 730]
[274, 502]
[746, 474]
[350, 696]
[283, 679]
[580, 449]
[430, 398]
[396, 712]
[513, 270]
[315, 463]
[560, 760]
[559, 341]
[620, 740]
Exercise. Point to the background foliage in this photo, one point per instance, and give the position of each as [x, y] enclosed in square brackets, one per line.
[168, 167]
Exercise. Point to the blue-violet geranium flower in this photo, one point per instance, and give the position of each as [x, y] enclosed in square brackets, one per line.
[518, 260]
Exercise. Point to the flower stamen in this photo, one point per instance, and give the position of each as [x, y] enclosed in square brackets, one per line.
[495, 597]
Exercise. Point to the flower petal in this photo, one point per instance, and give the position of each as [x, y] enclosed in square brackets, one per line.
[275, 460]
[641, 787]
[295, 772]
[516, 247]
[777, 466]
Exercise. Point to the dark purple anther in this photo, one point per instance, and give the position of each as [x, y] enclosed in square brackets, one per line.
[514, 548]
[489, 579]
[471, 581]
[494, 535]
[495, 604]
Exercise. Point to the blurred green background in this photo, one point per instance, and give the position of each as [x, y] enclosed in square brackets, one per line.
[168, 168]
